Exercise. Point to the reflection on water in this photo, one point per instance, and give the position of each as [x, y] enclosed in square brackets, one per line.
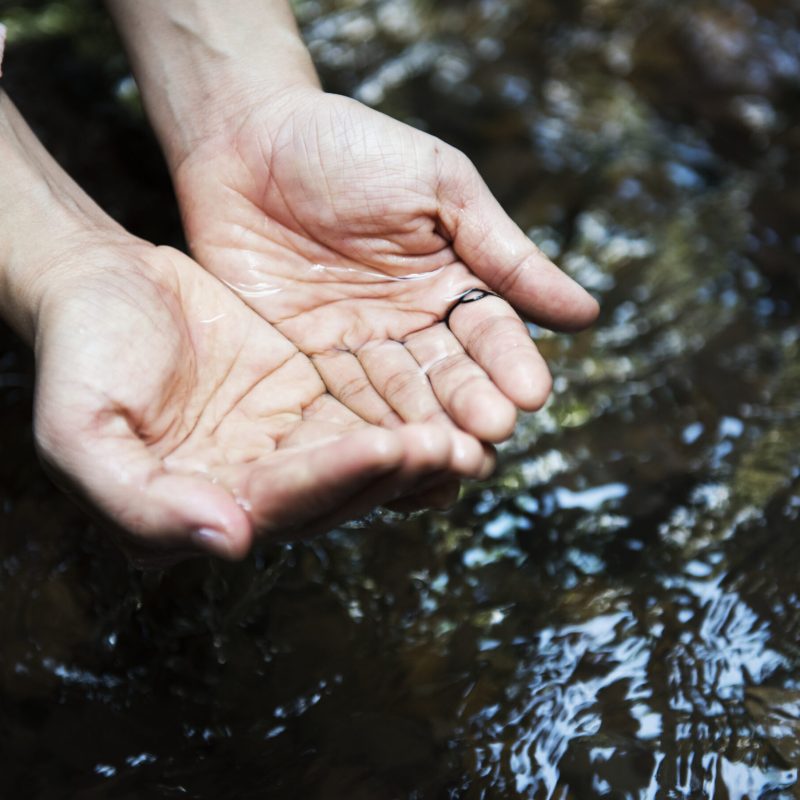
[617, 612]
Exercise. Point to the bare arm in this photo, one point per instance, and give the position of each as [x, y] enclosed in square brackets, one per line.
[352, 233]
[199, 61]
[164, 402]
[42, 211]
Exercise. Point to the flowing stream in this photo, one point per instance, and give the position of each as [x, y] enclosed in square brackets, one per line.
[616, 613]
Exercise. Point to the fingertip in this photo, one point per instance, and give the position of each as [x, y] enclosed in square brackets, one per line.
[532, 388]
[385, 447]
[582, 312]
[207, 515]
[238, 531]
[482, 409]
[488, 464]
[490, 418]
[563, 305]
[543, 293]
[495, 431]
[217, 543]
[592, 309]
[428, 446]
[470, 457]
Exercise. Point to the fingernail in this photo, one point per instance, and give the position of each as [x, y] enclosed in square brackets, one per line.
[213, 541]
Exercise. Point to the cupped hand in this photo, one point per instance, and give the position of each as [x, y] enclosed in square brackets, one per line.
[191, 423]
[356, 235]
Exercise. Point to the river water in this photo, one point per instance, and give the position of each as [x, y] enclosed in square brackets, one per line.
[616, 613]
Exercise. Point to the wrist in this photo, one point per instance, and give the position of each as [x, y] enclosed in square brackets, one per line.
[42, 213]
[202, 64]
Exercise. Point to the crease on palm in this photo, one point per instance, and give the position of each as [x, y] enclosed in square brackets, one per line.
[332, 285]
[285, 278]
[213, 381]
[223, 400]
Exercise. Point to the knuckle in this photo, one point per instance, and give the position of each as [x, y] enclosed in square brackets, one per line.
[490, 329]
[448, 365]
[509, 282]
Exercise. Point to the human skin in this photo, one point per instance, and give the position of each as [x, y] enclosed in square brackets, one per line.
[352, 233]
[187, 421]
[2, 45]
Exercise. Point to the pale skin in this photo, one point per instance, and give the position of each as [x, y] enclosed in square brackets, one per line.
[307, 375]
[187, 421]
[352, 233]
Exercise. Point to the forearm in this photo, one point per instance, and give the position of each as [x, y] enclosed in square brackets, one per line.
[197, 62]
[41, 211]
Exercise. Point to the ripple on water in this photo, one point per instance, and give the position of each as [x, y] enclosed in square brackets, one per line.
[616, 613]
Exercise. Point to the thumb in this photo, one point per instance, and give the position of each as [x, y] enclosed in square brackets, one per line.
[155, 509]
[492, 245]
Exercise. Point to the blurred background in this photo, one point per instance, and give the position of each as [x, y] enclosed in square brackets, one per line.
[616, 613]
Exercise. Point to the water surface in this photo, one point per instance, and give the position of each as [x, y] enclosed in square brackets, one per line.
[616, 613]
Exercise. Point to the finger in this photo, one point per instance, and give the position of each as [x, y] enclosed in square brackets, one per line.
[398, 378]
[498, 252]
[427, 456]
[346, 380]
[471, 458]
[327, 418]
[497, 339]
[463, 388]
[301, 484]
[154, 508]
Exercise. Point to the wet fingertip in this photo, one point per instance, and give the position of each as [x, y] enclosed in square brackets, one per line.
[588, 313]
[593, 309]
[230, 538]
[489, 463]
[467, 455]
[580, 312]
[495, 424]
[387, 448]
[537, 398]
[196, 511]
[216, 543]
[433, 442]
[530, 389]
[486, 413]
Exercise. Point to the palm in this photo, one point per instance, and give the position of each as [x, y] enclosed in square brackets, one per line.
[227, 426]
[341, 227]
